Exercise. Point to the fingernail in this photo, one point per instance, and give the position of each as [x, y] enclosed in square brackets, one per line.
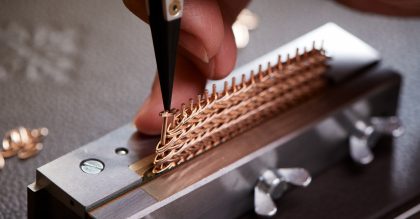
[194, 46]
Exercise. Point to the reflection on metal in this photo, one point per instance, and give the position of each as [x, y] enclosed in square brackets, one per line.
[215, 118]
[273, 183]
[245, 22]
[388, 126]
[410, 213]
[92, 166]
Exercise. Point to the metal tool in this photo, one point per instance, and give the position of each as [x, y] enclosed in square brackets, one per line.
[220, 182]
[165, 21]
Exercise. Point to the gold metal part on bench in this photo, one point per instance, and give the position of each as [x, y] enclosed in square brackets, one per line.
[217, 117]
[22, 142]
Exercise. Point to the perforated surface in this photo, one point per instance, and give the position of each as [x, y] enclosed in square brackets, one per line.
[109, 65]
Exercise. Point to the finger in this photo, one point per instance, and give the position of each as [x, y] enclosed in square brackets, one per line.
[186, 85]
[137, 7]
[214, 54]
[200, 18]
[223, 62]
[202, 28]
[231, 9]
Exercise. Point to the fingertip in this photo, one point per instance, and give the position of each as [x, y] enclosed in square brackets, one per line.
[222, 63]
[203, 20]
[137, 7]
[147, 120]
[225, 60]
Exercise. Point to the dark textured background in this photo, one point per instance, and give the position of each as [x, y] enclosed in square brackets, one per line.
[107, 70]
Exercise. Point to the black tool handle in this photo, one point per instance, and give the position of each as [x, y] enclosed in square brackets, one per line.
[165, 36]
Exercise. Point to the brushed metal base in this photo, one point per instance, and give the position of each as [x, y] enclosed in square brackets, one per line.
[310, 136]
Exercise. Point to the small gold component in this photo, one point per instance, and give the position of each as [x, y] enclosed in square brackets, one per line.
[2, 162]
[165, 116]
[9, 153]
[27, 153]
[6, 144]
[213, 119]
[23, 142]
[142, 166]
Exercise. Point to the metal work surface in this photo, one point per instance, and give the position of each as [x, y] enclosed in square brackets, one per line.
[228, 183]
[82, 192]
[112, 72]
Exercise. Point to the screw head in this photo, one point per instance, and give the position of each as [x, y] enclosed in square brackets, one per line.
[92, 166]
[175, 7]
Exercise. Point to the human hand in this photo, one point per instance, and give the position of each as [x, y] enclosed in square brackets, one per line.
[206, 50]
[387, 7]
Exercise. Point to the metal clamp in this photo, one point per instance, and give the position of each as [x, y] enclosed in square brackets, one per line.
[273, 183]
[366, 134]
